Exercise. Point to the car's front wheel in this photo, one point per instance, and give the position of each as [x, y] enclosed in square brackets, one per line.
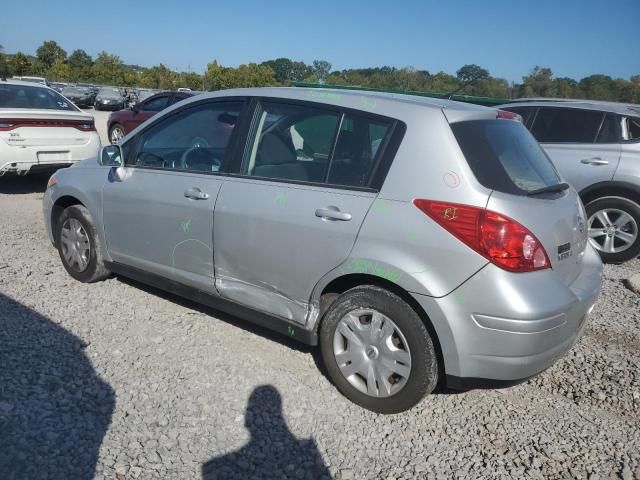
[116, 133]
[377, 350]
[79, 245]
[613, 228]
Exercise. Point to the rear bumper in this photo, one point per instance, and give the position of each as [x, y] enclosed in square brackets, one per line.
[499, 328]
[22, 160]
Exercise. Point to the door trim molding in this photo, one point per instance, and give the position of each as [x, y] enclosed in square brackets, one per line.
[280, 325]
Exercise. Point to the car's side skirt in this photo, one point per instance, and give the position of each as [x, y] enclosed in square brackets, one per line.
[283, 326]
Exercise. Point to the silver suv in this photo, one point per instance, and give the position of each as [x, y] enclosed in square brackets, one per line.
[419, 242]
[596, 148]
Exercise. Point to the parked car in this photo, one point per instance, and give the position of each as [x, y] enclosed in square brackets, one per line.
[109, 98]
[40, 80]
[42, 130]
[82, 97]
[124, 121]
[418, 241]
[144, 93]
[596, 148]
[58, 86]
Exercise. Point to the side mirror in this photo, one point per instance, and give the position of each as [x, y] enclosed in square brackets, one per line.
[135, 108]
[111, 156]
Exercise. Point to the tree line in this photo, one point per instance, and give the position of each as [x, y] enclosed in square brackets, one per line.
[53, 62]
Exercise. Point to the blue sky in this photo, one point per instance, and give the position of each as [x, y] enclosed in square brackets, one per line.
[574, 38]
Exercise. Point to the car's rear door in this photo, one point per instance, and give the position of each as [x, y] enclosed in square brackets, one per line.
[293, 210]
[159, 218]
[583, 144]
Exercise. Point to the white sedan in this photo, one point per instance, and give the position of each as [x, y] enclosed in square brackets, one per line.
[42, 130]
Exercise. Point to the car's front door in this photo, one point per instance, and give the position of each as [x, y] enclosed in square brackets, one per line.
[159, 218]
[294, 212]
[583, 144]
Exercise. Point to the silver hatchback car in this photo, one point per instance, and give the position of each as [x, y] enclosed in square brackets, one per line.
[419, 242]
[596, 147]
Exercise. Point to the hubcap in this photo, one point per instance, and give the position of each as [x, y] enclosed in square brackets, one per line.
[372, 353]
[116, 135]
[75, 245]
[612, 230]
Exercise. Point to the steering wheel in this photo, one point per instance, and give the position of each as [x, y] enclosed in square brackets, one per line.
[197, 144]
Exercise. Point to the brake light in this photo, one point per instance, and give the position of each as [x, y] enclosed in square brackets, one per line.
[503, 241]
[506, 115]
[13, 123]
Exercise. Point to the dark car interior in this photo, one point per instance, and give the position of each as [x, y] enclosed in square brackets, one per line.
[355, 149]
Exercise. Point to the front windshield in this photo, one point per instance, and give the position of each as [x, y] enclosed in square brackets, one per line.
[110, 93]
[75, 91]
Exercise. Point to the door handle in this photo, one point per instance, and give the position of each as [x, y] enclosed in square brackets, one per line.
[196, 194]
[332, 213]
[594, 161]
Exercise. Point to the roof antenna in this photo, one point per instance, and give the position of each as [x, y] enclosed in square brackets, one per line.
[464, 85]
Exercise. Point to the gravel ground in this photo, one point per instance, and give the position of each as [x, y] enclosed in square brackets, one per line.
[116, 380]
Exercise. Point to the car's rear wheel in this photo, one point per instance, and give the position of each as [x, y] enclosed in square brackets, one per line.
[377, 350]
[79, 245]
[116, 133]
[613, 224]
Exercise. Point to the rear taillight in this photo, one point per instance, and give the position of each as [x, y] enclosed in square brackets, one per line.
[506, 115]
[500, 239]
[13, 123]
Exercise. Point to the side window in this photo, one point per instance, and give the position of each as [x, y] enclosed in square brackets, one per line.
[566, 125]
[525, 112]
[292, 142]
[154, 104]
[177, 98]
[633, 128]
[359, 141]
[194, 139]
[610, 129]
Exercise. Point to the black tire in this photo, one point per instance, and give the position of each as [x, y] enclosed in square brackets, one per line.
[424, 374]
[95, 270]
[631, 208]
[112, 128]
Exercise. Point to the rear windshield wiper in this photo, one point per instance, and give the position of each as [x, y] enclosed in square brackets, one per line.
[559, 187]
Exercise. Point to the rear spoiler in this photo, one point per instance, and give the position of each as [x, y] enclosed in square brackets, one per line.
[454, 115]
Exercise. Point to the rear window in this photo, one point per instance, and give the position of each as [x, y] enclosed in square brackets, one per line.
[610, 129]
[504, 156]
[25, 96]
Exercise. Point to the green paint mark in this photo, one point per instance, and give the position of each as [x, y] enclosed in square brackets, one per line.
[381, 205]
[365, 266]
[458, 297]
[281, 198]
[290, 331]
[185, 226]
[411, 237]
[368, 102]
[325, 95]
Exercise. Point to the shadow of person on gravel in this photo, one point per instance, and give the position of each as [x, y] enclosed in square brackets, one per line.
[13, 184]
[273, 451]
[54, 409]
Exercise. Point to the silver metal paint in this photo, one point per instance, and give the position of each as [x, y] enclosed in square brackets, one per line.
[271, 252]
[264, 245]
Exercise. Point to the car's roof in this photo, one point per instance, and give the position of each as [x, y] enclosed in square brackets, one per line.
[10, 81]
[333, 96]
[613, 107]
